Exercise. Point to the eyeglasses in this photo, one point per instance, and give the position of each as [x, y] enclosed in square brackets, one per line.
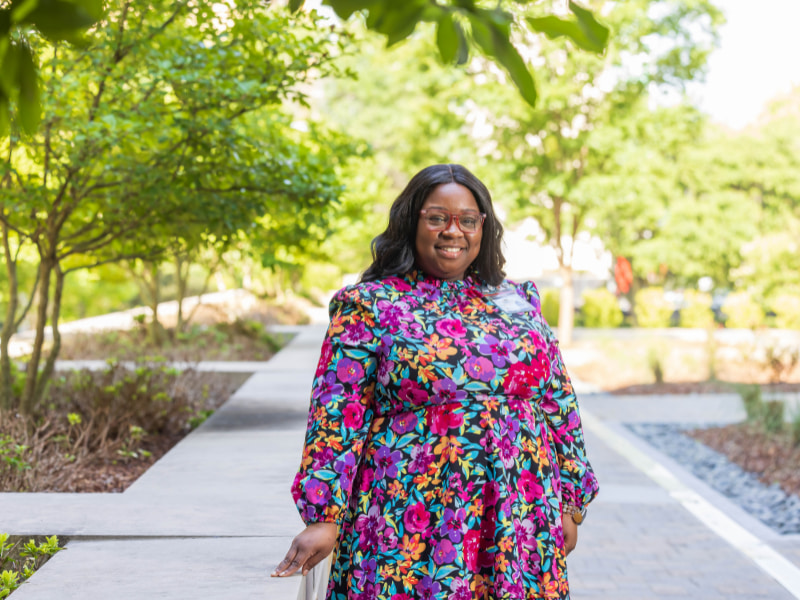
[439, 220]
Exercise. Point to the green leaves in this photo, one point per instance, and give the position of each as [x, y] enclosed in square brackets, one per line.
[584, 30]
[492, 35]
[491, 30]
[58, 20]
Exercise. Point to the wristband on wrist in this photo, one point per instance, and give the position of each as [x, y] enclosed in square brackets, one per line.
[578, 514]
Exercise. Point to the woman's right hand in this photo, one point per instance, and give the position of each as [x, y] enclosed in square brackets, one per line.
[309, 548]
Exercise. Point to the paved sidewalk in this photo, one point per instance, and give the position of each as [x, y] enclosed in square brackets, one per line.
[213, 517]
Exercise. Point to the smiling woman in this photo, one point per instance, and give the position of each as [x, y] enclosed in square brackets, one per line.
[444, 454]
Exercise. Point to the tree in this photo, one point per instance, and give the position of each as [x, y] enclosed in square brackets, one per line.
[470, 24]
[20, 20]
[551, 153]
[166, 120]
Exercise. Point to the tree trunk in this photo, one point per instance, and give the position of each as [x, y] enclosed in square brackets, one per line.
[32, 374]
[155, 297]
[182, 285]
[566, 308]
[6, 399]
[49, 366]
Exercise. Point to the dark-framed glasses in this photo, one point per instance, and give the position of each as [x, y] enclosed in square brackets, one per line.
[437, 219]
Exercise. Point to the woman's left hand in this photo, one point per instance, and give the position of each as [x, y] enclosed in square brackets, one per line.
[570, 529]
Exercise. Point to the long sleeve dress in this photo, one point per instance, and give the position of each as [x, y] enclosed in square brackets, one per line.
[443, 438]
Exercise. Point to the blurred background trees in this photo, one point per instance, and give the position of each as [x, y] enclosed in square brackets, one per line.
[160, 150]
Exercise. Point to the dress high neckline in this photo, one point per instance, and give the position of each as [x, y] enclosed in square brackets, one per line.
[417, 276]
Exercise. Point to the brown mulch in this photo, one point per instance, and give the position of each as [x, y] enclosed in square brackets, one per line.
[773, 457]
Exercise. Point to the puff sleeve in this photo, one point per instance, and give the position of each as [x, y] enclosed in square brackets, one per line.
[560, 406]
[341, 411]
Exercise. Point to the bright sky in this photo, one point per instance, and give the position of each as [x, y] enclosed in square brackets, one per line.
[758, 58]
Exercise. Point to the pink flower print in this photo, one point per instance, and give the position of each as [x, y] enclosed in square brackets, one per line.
[520, 380]
[353, 415]
[421, 458]
[411, 392]
[428, 589]
[491, 493]
[355, 333]
[447, 391]
[444, 552]
[327, 387]
[322, 458]
[460, 589]
[417, 518]
[530, 486]
[384, 371]
[451, 328]
[317, 492]
[404, 422]
[500, 352]
[429, 290]
[370, 526]
[386, 462]
[392, 315]
[507, 452]
[349, 371]
[479, 367]
[453, 525]
[401, 285]
[470, 549]
[444, 417]
[366, 572]
[367, 477]
[324, 357]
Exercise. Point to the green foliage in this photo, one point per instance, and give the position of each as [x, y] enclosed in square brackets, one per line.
[655, 361]
[773, 412]
[551, 303]
[23, 559]
[696, 310]
[489, 29]
[753, 404]
[19, 22]
[600, 309]
[651, 308]
[786, 307]
[12, 454]
[741, 311]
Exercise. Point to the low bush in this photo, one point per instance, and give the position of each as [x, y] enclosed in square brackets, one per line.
[742, 312]
[787, 310]
[696, 310]
[651, 308]
[94, 421]
[19, 561]
[600, 309]
[551, 303]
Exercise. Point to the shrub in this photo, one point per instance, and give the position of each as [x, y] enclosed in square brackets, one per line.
[696, 311]
[773, 412]
[600, 309]
[742, 312]
[551, 303]
[651, 308]
[787, 311]
[23, 560]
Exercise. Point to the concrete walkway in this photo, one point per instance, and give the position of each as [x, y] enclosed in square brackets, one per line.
[213, 517]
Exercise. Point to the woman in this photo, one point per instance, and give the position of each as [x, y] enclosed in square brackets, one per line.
[444, 454]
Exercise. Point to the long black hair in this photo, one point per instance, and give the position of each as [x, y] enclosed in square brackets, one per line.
[393, 250]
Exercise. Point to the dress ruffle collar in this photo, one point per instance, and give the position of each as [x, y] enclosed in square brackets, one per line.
[418, 277]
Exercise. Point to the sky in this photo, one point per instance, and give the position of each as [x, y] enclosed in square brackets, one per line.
[758, 58]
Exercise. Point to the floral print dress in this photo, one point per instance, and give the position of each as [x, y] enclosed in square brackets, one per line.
[443, 437]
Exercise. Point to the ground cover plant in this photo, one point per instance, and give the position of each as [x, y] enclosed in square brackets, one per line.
[20, 559]
[97, 431]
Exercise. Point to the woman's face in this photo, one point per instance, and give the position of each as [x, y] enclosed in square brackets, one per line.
[448, 253]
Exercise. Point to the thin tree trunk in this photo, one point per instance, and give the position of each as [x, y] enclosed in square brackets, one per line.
[49, 366]
[566, 308]
[6, 399]
[155, 296]
[32, 374]
[182, 285]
